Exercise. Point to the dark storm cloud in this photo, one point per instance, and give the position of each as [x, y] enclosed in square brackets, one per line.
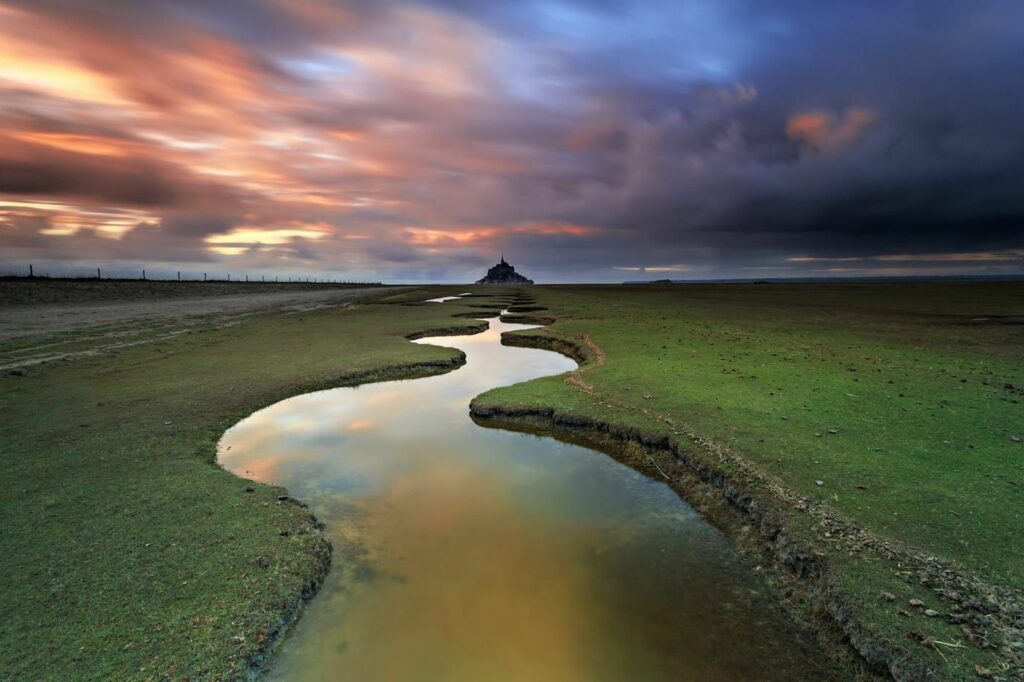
[40, 170]
[710, 138]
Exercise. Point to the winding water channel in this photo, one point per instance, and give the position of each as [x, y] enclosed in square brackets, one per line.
[467, 553]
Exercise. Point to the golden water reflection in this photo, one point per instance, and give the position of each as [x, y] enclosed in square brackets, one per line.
[464, 553]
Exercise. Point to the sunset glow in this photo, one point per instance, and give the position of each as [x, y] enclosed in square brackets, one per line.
[423, 139]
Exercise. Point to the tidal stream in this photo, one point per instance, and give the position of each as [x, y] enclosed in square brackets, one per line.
[467, 553]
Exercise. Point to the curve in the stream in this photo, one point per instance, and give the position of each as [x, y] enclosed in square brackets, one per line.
[466, 553]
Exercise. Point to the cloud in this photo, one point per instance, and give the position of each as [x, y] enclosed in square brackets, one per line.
[418, 139]
[826, 132]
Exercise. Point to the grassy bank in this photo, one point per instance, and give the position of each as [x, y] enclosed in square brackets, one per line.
[125, 552]
[870, 427]
[878, 424]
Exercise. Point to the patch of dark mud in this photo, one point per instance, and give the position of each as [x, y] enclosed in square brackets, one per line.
[525, 308]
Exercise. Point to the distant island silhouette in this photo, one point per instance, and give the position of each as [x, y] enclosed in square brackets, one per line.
[503, 273]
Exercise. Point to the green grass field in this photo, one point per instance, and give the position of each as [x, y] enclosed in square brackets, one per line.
[896, 406]
[126, 553]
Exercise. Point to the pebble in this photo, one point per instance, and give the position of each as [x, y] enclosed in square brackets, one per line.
[916, 603]
[888, 596]
[819, 483]
[833, 431]
[931, 613]
[982, 671]
[263, 562]
[1015, 439]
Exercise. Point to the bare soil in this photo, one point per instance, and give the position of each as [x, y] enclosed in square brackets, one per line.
[31, 308]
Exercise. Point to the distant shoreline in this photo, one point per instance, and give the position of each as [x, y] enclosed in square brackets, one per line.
[836, 280]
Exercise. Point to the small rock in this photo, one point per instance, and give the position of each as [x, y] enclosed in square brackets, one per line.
[817, 434]
[1015, 439]
[926, 640]
[168, 423]
[983, 672]
[888, 596]
[903, 612]
[916, 603]
[819, 483]
[833, 431]
[263, 562]
[282, 498]
[931, 613]
[249, 489]
[990, 607]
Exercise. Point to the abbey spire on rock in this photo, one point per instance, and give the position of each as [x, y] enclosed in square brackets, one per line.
[503, 273]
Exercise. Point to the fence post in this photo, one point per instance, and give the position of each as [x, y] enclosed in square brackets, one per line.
[98, 275]
[204, 276]
[143, 275]
[30, 272]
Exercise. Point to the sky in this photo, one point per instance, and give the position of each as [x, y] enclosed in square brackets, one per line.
[590, 141]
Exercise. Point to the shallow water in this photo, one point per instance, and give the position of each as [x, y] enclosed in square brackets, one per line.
[465, 553]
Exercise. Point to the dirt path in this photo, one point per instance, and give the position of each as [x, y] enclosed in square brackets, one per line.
[30, 334]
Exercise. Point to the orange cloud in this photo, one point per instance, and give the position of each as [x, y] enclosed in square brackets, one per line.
[555, 228]
[83, 144]
[65, 219]
[472, 235]
[244, 235]
[433, 237]
[826, 132]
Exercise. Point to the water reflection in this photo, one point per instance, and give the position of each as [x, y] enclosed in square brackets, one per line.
[465, 553]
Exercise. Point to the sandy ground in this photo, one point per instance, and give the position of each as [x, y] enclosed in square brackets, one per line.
[30, 320]
[43, 332]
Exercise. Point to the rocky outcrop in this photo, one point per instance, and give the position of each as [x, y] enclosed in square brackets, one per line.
[503, 273]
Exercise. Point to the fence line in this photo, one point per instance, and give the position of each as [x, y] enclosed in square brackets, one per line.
[242, 280]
